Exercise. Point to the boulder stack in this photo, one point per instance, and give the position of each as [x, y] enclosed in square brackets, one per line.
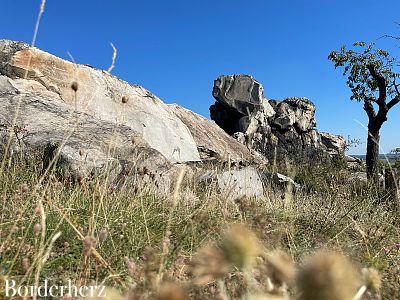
[285, 128]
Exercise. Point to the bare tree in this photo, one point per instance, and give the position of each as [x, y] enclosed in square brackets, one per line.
[371, 76]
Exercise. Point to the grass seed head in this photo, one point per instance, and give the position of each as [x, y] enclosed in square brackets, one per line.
[240, 246]
[25, 264]
[132, 268]
[89, 242]
[74, 86]
[171, 291]
[328, 276]
[14, 229]
[24, 188]
[209, 264]
[103, 234]
[36, 229]
[371, 279]
[37, 210]
[281, 267]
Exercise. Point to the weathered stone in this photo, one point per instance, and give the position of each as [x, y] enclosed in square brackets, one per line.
[285, 117]
[282, 182]
[212, 142]
[280, 129]
[77, 113]
[235, 183]
[354, 163]
[334, 143]
[89, 123]
[96, 124]
[99, 95]
[238, 96]
[242, 93]
[86, 146]
[304, 111]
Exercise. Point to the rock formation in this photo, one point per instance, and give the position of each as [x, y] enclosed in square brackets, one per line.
[273, 128]
[95, 123]
[100, 96]
[213, 143]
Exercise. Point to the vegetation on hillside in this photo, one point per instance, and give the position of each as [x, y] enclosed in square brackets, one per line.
[200, 243]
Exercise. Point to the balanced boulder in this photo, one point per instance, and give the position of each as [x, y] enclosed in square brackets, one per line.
[274, 128]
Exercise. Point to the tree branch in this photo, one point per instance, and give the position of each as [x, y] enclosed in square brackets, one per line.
[396, 87]
[393, 102]
[369, 109]
[380, 80]
[396, 99]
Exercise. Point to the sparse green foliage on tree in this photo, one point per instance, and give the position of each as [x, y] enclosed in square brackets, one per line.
[371, 76]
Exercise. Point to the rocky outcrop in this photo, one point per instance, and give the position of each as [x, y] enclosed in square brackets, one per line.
[90, 123]
[333, 143]
[90, 120]
[285, 128]
[240, 105]
[94, 123]
[100, 96]
[212, 142]
[354, 163]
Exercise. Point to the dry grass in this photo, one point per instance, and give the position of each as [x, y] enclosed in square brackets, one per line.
[197, 243]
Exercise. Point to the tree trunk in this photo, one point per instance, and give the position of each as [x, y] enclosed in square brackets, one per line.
[372, 158]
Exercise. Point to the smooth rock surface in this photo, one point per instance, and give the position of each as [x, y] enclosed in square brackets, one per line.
[100, 96]
[242, 93]
[86, 145]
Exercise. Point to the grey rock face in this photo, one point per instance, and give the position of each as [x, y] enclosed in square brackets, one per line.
[295, 112]
[238, 97]
[106, 125]
[212, 142]
[333, 142]
[273, 128]
[99, 95]
[86, 145]
[354, 163]
[236, 183]
[248, 181]
[240, 92]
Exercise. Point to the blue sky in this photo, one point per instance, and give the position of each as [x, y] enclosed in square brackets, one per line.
[177, 48]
